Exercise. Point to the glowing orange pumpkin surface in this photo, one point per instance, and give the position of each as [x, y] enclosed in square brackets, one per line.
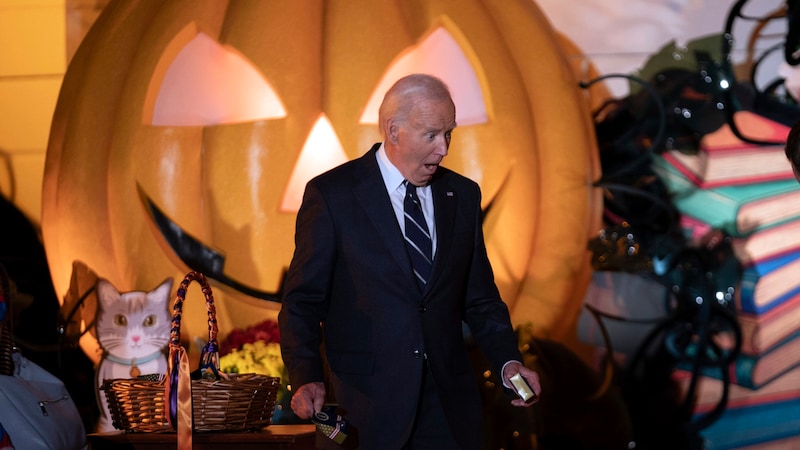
[183, 137]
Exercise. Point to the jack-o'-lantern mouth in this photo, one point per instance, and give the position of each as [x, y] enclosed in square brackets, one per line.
[197, 255]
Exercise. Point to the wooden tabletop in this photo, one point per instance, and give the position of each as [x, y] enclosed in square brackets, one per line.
[276, 437]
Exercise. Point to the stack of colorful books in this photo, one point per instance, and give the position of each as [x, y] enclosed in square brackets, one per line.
[750, 193]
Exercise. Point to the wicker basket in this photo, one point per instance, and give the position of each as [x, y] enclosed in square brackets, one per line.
[243, 402]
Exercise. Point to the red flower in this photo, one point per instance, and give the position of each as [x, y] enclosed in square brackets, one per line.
[266, 331]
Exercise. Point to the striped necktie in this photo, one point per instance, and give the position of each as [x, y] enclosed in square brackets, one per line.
[418, 239]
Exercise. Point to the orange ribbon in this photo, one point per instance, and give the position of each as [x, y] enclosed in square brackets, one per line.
[184, 413]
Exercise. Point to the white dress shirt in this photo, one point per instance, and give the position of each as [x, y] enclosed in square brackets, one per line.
[393, 180]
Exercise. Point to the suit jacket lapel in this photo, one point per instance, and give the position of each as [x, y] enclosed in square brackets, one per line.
[371, 192]
[444, 206]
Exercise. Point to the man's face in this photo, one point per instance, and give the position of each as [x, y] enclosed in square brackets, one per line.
[422, 140]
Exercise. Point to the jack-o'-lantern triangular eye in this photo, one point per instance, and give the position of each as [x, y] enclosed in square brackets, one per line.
[321, 151]
[443, 53]
[200, 82]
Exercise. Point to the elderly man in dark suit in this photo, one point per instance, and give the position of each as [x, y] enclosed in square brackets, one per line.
[389, 261]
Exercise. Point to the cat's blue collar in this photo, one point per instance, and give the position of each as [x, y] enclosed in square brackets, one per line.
[131, 361]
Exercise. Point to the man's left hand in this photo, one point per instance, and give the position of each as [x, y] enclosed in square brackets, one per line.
[529, 375]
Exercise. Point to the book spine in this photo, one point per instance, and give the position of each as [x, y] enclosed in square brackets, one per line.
[739, 372]
[682, 168]
[697, 174]
[762, 331]
[708, 206]
[755, 370]
[748, 301]
[709, 391]
[754, 425]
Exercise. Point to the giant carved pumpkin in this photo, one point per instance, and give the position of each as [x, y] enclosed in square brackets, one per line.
[184, 130]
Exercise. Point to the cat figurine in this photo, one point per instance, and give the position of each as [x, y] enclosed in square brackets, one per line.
[133, 331]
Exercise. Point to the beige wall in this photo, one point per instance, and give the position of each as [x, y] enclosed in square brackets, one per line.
[32, 51]
[37, 38]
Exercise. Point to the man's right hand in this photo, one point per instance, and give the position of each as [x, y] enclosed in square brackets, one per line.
[308, 399]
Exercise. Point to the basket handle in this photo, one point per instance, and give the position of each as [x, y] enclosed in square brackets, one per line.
[178, 389]
[209, 359]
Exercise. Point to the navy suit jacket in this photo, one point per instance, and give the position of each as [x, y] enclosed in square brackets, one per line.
[350, 284]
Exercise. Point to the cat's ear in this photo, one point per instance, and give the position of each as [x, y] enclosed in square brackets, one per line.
[161, 294]
[106, 292]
